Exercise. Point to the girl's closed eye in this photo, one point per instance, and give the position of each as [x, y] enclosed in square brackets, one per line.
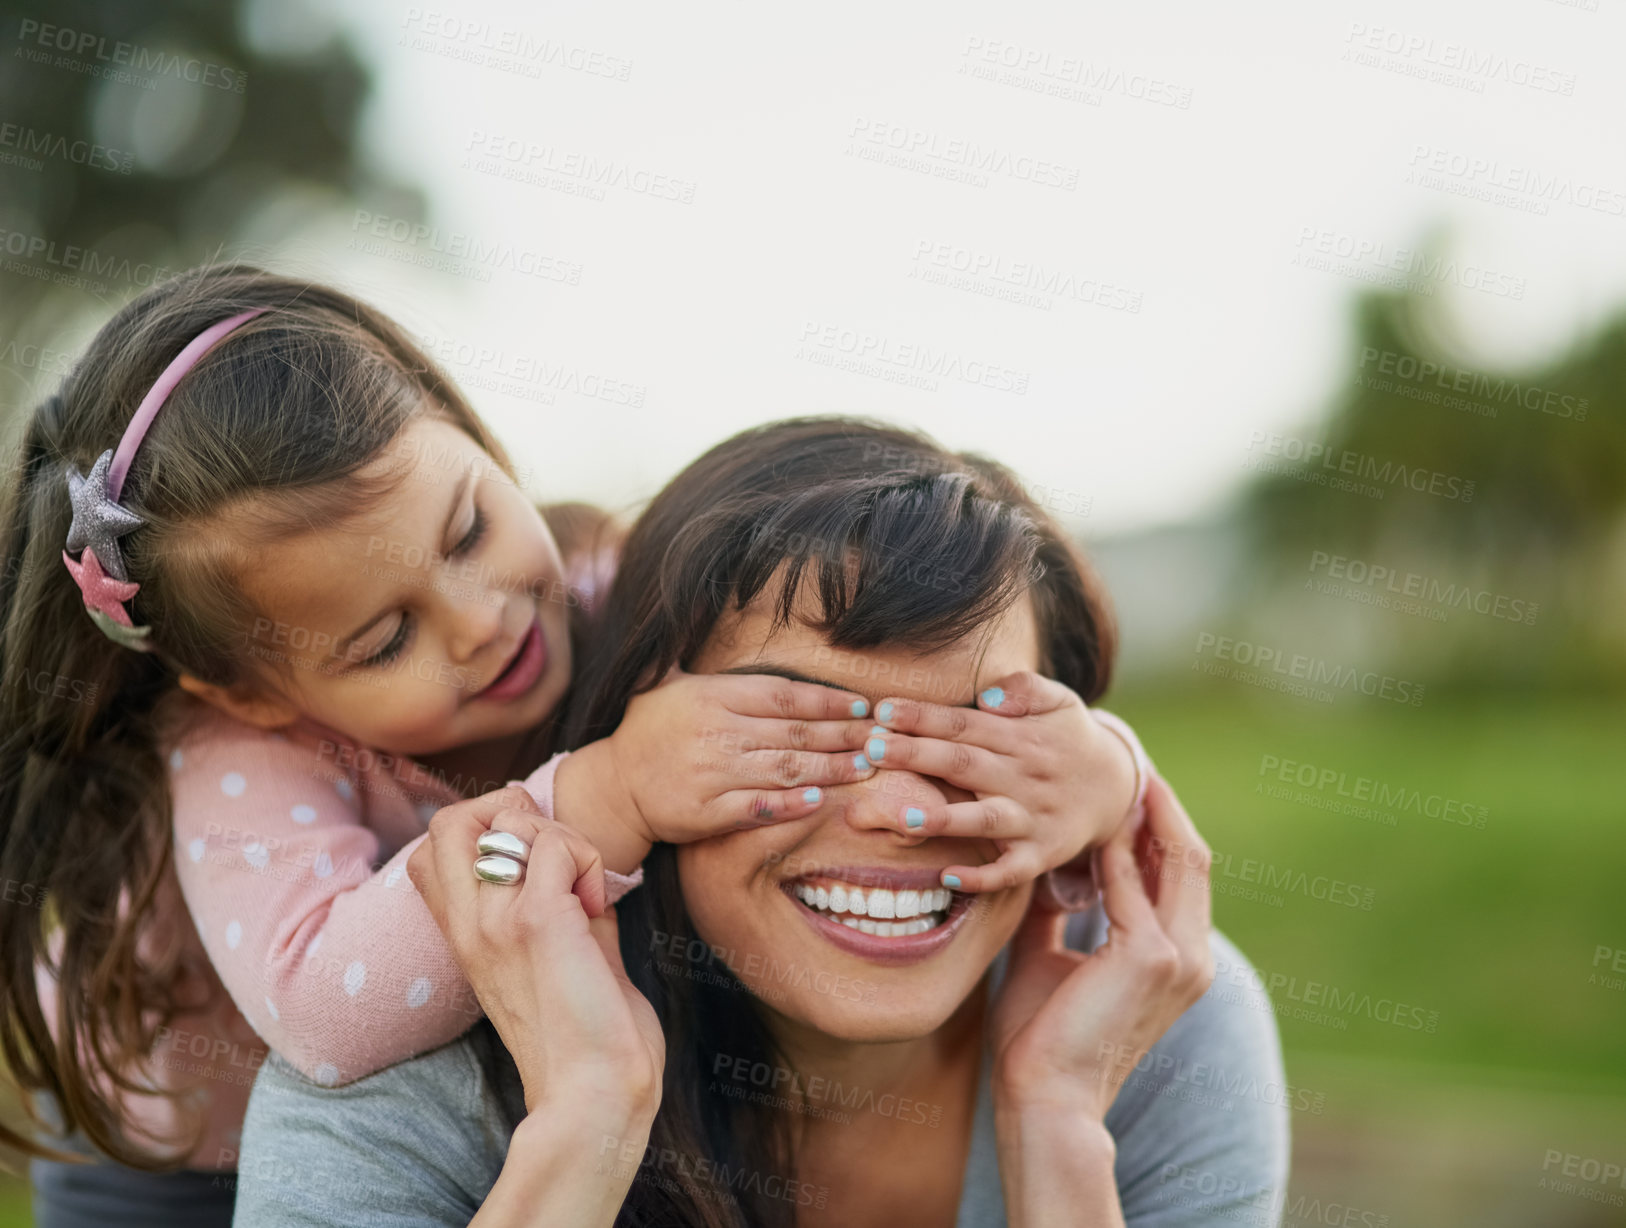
[395, 646]
[476, 533]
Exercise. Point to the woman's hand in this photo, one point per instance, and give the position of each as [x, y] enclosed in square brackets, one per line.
[1049, 780]
[543, 959]
[704, 754]
[1069, 1027]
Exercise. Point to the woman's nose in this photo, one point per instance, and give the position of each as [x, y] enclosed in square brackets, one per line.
[878, 804]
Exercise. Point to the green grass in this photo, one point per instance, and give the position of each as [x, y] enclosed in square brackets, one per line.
[1493, 928]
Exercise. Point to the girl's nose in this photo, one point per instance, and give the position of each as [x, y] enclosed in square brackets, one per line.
[474, 617]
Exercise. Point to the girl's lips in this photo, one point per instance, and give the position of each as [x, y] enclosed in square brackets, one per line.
[905, 949]
[523, 668]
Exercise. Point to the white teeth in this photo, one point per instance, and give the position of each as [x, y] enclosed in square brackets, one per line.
[884, 913]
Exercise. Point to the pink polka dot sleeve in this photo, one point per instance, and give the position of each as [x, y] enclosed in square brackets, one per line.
[294, 871]
[306, 911]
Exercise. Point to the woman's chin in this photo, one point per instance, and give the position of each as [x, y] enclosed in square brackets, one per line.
[882, 1015]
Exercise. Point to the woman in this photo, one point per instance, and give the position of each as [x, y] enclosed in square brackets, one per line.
[763, 1059]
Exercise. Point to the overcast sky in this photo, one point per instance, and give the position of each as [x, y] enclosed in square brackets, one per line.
[1105, 244]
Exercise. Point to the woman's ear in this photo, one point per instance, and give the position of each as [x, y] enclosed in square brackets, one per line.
[264, 710]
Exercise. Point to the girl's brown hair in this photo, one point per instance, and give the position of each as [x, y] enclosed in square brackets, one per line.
[944, 542]
[257, 438]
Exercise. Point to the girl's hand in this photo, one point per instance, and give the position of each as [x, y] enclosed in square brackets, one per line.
[1049, 780]
[543, 958]
[1069, 1027]
[702, 754]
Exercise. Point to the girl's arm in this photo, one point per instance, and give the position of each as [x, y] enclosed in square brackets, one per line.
[326, 949]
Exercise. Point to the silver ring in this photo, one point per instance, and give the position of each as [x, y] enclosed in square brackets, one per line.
[504, 843]
[498, 869]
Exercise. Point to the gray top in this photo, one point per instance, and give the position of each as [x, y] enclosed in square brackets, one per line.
[1201, 1126]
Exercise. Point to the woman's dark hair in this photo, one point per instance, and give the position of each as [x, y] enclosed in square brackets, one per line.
[902, 542]
[274, 422]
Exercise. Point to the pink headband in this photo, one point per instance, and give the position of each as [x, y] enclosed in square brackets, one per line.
[99, 520]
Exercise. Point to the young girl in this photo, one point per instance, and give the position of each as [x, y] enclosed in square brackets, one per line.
[248, 646]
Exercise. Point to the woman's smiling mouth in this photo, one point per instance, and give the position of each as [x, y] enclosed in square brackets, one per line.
[884, 915]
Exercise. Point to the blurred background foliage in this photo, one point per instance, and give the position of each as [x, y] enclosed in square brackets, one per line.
[197, 171]
[1494, 929]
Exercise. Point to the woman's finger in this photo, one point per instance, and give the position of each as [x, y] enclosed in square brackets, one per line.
[1184, 897]
[1123, 893]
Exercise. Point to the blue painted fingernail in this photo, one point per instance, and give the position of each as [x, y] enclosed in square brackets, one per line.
[811, 795]
[994, 696]
[951, 880]
[884, 712]
[860, 707]
[861, 763]
[876, 749]
[914, 817]
[877, 729]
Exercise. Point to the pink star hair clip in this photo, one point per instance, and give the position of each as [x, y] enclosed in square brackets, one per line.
[99, 520]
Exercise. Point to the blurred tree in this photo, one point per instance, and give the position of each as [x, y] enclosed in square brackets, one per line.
[149, 136]
[1545, 449]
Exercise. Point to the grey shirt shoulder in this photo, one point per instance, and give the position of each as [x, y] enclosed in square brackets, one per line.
[1201, 1127]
